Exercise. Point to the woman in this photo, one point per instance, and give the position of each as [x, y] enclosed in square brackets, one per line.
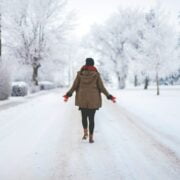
[88, 86]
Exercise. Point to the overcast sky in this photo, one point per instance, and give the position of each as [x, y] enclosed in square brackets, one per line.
[96, 11]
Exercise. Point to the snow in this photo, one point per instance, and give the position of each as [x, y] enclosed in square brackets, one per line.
[160, 113]
[11, 101]
[40, 139]
[19, 83]
[46, 85]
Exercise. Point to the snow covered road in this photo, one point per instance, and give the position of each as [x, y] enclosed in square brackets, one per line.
[41, 140]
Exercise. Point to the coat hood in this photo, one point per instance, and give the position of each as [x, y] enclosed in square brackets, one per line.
[88, 74]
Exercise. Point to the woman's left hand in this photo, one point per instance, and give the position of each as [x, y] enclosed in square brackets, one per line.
[112, 98]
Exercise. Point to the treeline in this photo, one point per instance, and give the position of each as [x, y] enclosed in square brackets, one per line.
[138, 45]
[34, 39]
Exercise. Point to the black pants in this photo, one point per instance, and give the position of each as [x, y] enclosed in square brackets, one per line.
[88, 114]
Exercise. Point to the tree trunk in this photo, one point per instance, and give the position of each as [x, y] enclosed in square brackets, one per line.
[157, 83]
[121, 81]
[35, 75]
[135, 81]
[122, 84]
[146, 83]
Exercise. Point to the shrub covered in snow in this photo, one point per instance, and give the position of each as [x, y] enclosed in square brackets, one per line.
[5, 85]
[46, 85]
[19, 89]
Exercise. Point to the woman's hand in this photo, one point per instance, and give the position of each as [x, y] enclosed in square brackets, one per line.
[65, 98]
[112, 98]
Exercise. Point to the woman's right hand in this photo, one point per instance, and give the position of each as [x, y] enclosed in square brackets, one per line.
[65, 98]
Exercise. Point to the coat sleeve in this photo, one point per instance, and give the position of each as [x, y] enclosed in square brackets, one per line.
[101, 86]
[75, 86]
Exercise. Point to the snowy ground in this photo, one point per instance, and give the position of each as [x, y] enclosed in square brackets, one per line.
[160, 114]
[135, 139]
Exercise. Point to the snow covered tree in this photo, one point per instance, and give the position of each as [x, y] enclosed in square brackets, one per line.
[5, 84]
[33, 28]
[159, 46]
[110, 41]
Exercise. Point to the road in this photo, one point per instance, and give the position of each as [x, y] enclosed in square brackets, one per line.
[41, 140]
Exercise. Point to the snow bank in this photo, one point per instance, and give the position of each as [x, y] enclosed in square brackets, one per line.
[46, 85]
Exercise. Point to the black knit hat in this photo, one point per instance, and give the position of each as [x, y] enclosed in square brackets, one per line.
[89, 62]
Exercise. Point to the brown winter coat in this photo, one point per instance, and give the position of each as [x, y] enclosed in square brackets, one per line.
[88, 86]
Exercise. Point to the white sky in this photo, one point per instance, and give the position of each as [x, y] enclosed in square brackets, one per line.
[96, 11]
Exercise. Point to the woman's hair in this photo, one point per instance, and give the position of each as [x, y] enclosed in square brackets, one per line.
[89, 62]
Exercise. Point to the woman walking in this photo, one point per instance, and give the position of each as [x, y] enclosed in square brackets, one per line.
[88, 86]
